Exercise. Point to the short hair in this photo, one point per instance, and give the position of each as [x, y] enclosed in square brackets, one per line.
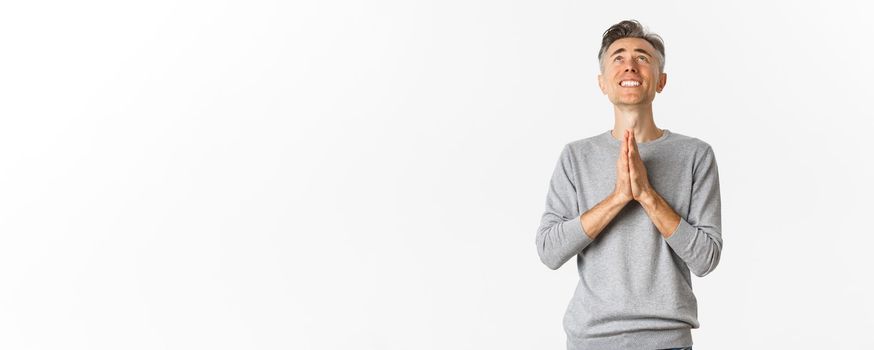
[631, 29]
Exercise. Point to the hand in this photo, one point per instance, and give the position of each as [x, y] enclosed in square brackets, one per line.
[623, 190]
[640, 187]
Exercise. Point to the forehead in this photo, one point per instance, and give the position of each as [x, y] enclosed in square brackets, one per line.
[629, 44]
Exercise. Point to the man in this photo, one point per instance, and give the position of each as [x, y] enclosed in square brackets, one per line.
[638, 206]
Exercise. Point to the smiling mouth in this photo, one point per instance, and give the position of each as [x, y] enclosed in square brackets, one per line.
[629, 83]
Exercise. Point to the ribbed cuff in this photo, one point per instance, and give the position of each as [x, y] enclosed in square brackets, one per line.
[576, 234]
[682, 237]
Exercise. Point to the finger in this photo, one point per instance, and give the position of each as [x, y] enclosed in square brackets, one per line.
[629, 142]
[624, 149]
[632, 154]
[621, 160]
[625, 163]
[632, 146]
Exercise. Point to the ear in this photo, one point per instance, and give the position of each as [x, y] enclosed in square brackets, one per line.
[663, 79]
[602, 84]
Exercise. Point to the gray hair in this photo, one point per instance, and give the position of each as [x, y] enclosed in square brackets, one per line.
[631, 29]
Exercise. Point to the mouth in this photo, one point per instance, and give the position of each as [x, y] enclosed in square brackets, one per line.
[629, 83]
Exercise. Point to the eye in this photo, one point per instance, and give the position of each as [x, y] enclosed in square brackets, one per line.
[618, 58]
[643, 58]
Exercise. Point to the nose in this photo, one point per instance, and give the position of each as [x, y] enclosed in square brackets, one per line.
[631, 66]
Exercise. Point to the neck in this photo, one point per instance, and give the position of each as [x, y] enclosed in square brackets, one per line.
[639, 119]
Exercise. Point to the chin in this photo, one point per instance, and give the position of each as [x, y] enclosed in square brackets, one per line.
[631, 102]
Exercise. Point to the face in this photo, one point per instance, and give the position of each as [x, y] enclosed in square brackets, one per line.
[630, 73]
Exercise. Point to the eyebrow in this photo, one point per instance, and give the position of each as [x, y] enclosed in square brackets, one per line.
[622, 49]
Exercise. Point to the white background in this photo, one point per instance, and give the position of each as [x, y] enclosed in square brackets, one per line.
[370, 175]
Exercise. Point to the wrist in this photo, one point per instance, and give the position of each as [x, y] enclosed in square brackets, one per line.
[648, 198]
[619, 199]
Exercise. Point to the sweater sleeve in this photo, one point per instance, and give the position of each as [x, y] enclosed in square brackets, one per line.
[698, 238]
[561, 234]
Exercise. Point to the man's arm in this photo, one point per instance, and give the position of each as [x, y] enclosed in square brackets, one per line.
[662, 215]
[558, 239]
[563, 232]
[596, 219]
[697, 239]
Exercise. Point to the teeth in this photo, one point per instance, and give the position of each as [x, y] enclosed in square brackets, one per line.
[629, 83]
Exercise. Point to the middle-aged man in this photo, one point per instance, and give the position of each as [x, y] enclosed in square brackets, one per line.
[638, 206]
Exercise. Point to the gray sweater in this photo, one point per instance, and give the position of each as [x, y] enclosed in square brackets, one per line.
[635, 291]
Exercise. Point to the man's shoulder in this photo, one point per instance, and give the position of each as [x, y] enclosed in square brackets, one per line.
[680, 140]
[599, 139]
